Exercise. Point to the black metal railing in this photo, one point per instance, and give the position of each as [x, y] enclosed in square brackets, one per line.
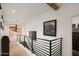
[25, 41]
[42, 47]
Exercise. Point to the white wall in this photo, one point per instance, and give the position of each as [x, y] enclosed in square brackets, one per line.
[64, 25]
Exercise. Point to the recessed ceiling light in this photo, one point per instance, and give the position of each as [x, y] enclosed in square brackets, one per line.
[13, 11]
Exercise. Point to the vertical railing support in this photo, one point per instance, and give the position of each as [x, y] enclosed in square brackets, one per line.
[32, 45]
[61, 47]
[24, 39]
[50, 49]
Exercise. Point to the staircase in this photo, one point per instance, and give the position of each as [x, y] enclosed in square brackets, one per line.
[25, 41]
[25, 45]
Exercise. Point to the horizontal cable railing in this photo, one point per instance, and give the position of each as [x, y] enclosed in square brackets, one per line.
[42, 47]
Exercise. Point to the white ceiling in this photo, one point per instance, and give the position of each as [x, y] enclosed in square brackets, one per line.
[20, 12]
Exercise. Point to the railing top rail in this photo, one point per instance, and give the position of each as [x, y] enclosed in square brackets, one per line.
[45, 39]
[56, 39]
[48, 40]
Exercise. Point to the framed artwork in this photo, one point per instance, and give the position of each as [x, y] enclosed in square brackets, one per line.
[15, 28]
[77, 25]
[50, 28]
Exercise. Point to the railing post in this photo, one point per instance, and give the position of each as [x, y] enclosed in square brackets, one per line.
[32, 45]
[50, 49]
[24, 40]
[61, 47]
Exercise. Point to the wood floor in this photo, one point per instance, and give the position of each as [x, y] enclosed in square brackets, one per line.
[16, 49]
[75, 53]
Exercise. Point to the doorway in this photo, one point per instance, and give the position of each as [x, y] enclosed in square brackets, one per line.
[75, 36]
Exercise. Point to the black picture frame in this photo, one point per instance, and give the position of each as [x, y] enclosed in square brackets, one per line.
[50, 28]
[77, 25]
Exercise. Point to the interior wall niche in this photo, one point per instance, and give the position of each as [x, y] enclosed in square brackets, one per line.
[75, 35]
[75, 24]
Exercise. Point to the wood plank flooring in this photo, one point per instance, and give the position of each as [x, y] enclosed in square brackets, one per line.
[16, 49]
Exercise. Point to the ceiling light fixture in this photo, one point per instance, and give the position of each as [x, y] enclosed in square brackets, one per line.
[13, 11]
